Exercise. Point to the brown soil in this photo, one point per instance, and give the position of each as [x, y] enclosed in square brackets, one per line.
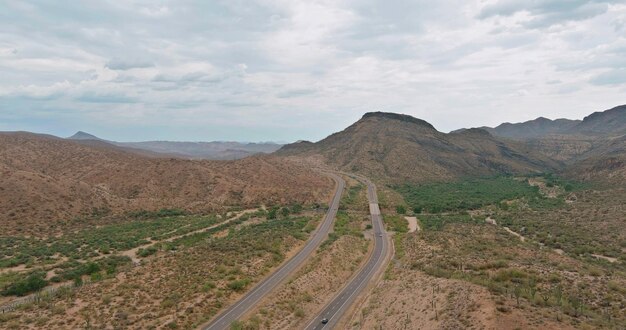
[413, 226]
[48, 183]
[413, 300]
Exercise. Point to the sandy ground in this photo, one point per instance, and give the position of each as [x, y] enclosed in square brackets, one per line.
[413, 226]
[609, 259]
[413, 300]
[492, 221]
[508, 230]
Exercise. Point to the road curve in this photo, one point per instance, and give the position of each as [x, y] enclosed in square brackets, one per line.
[342, 302]
[250, 299]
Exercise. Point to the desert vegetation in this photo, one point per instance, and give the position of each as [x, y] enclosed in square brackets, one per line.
[545, 253]
[191, 266]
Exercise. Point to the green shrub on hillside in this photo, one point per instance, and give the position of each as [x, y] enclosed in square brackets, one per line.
[31, 283]
[467, 194]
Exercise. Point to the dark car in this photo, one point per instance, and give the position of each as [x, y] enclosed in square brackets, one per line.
[324, 320]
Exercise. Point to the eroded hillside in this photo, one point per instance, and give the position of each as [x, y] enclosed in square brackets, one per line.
[398, 148]
[46, 180]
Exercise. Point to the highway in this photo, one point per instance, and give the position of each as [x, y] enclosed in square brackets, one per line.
[342, 302]
[250, 299]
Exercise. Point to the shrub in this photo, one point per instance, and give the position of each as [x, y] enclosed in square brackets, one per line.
[296, 208]
[400, 209]
[33, 282]
[271, 214]
[238, 285]
[147, 251]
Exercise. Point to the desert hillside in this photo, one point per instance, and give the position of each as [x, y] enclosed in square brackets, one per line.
[606, 161]
[47, 179]
[570, 141]
[399, 148]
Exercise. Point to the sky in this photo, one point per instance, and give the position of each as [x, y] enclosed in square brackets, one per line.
[286, 70]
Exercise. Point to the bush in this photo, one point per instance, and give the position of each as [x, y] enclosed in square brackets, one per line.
[147, 251]
[32, 283]
[400, 209]
[296, 208]
[238, 285]
[271, 214]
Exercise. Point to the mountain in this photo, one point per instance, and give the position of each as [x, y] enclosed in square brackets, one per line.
[611, 122]
[399, 148]
[46, 179]
[205, 150]
[80, 135]
[593, 148]
[606, 123]
[533, 128]
[217, 150]
[604, 161]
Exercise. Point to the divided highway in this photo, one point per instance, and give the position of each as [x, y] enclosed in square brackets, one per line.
[250, 299]
[333, 312]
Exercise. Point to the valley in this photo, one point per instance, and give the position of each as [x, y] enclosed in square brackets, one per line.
[480, 231]
[313, 164]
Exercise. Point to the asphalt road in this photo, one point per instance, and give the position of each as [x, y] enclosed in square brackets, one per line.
[342, 302]
[236, 311]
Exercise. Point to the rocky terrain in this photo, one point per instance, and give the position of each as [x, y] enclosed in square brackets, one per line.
[399, 148]
[46, 180]
[597, 138]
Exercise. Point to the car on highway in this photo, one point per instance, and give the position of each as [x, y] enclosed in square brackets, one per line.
[324, 320]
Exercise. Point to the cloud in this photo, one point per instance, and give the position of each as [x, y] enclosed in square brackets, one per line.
[301, 69]
[95, 97]
[545, 13]
[613, 77]
[295, 93]
[127, 64]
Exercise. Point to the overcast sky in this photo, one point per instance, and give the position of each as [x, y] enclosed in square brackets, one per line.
[285, 70]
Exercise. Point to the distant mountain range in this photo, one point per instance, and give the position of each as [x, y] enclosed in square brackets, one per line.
[217, 150]
[399, 148]
[599, 124]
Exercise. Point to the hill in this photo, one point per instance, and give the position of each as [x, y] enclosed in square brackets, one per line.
[593, 148]
[533, 128]
[47, 180]
[606, 123]
[606, 161]
[611, 122]
[80, 135]
[216, 150]
[399, 148]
